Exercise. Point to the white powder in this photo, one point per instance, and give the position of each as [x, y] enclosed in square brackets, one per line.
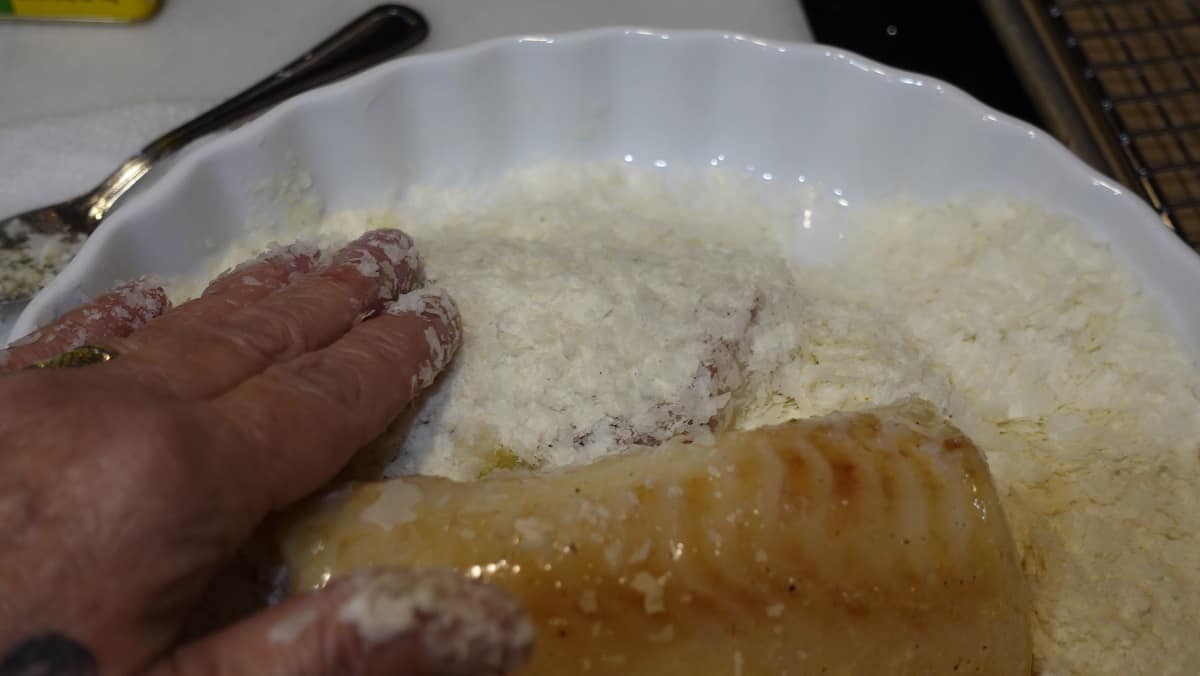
[24, 270]
[460, 625]
[603, 307]
[651, 589]
[395, 505]
[292, 626]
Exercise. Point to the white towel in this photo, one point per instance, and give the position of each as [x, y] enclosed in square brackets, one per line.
[48, 160]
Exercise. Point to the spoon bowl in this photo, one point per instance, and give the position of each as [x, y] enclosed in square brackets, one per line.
[378, 35]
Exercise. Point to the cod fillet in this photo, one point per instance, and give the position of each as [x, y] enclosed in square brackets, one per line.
[856, 543]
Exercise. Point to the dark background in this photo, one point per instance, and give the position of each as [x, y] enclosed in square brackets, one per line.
[949, 39]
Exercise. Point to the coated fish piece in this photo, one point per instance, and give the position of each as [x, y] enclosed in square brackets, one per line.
[856, 543]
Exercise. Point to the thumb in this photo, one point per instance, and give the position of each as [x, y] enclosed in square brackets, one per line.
[416, 623]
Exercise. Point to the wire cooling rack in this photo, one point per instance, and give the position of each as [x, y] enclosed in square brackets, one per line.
[1137, 67]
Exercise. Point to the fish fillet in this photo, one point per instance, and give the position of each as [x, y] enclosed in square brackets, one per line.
[857, 543]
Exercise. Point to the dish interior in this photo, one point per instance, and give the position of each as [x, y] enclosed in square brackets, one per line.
[783, 113]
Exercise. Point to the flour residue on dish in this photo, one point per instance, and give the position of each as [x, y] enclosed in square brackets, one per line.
[605, 307]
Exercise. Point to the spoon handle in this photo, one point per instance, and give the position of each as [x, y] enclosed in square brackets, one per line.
[374, 37]
[378, 35]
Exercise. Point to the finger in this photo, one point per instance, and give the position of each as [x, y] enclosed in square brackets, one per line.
[114, 314]
[309, 415]
[204, 359]
[239, 287]
[273, 270]
[387, 622]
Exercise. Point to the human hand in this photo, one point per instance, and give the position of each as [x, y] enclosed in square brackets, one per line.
[125, 485]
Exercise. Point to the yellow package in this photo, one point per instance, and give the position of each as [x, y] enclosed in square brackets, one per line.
[80, 10]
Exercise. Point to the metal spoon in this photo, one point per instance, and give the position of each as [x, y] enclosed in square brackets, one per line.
[374, 37]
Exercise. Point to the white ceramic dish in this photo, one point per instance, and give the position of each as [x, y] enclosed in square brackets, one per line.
[679, 99]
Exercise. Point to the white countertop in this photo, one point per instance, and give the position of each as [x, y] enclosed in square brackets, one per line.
[75, 99]
[208, 49]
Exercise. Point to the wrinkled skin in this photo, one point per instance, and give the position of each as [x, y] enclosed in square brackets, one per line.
[125, 485]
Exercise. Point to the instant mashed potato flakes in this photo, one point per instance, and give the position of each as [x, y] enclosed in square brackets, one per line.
[605, 306]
